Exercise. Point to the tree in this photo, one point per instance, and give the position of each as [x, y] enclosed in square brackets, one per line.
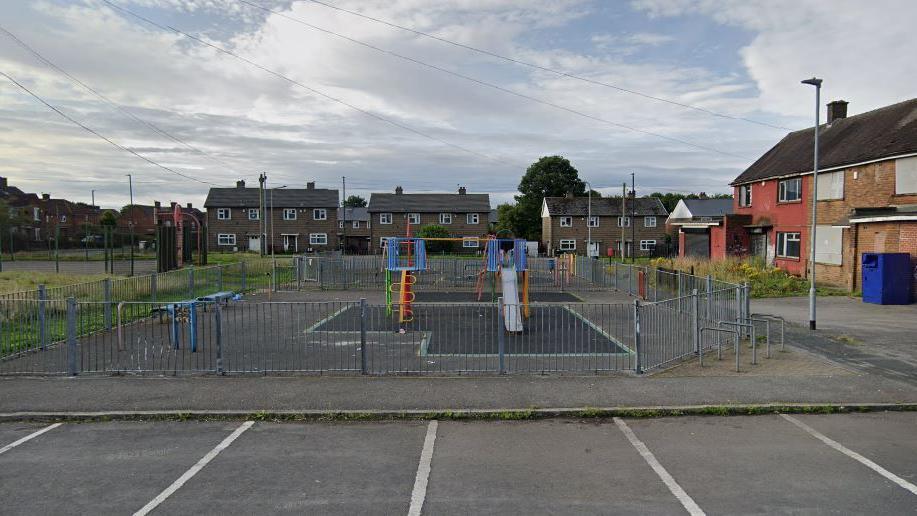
[550, 176]
[108, 218]
[355, 201]
[506, 218]
[434, 231]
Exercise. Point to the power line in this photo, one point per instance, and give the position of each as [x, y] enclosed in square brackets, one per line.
[110, 102]
[550, 70]
[306, 87]
[90, 130]
[491, 85]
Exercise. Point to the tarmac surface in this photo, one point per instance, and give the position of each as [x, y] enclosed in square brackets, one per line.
[813, 464]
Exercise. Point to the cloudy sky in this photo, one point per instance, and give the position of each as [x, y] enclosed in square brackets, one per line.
[399, 122]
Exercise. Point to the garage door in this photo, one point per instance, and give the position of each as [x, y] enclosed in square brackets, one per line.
[697, 244]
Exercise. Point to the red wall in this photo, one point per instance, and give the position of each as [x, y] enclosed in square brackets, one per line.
[784, 217]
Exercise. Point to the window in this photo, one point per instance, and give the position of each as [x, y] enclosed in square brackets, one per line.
[830, 186]
[790, 190]
[253, 214]
[470, 242]
[413, 218]
[593, 222]
[906, 176]
[318, 238]
[383, 241]
[289, 214]
[647, 245]
[385, 218]
[226, 239]
[568, 245]
[341, 224]
[788, 245]
[445, 218]
[472, 218]
[223, 214]
[36, 214]
[649, 222]
[356, 224]
[745, 195]
[566, 222]
[63, 218]
[623, 222]
[319, 214]
[828, 244]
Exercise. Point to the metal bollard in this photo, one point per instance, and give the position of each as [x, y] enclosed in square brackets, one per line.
[363, 365]
[71, 336]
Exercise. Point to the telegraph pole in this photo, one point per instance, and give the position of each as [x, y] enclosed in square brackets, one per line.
[623, 216]
[633, 219]
[344, 207]
[262, 228]
[130, 186]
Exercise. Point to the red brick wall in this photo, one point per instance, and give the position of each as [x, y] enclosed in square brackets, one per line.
[784, 217]
[887, 237]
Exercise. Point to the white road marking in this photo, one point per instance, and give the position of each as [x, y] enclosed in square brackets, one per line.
[852, 454]
[423, 471]
[667, 479]
[195, 469]
[29, 437]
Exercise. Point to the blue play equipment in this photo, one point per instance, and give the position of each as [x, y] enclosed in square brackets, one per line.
[174, 309]
[398, 261]
[518, 254]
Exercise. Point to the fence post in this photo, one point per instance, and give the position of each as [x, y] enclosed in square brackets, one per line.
[709, 298]
[678, 286]
[42, 328]
[219, 278]
[190, 282]
[71, 336]
[500, 336]
[106, 294]
[153, 286]
[218, 320]
[638, 365]
[738, 310]
[363, 365]
[242, 281]
[695, 305]
[747, 299]
[615, 270]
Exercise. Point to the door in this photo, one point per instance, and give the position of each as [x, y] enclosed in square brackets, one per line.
[290, 243]
[697, 244]
[759, 245]
[594, 248]
[254, 243]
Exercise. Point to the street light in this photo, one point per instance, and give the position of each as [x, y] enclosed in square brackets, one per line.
[589, 221]
[817, 83]
[272, 218]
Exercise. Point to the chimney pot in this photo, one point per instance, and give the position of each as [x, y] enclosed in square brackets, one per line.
[399, 190]
[157, 204]
[46, 196]
[240, 183]
[310, 185]
[462, 190]
[3, 183]
[189, 205]
[837, 110]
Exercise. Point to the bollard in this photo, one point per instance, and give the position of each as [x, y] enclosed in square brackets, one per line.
[638, 366]
[71, 336]
[500, 334]
[218, 320]
[106, 295]
[42, 328]
[363, 366]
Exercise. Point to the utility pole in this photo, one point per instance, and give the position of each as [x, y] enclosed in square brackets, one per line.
[623, 217]
[633, 218]
[817, 83]
[130, 186]
[262, 220]
[344, 206]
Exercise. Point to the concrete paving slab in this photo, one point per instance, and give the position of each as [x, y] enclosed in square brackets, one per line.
[105, 468]
[311, 468]
[889, 439]
[766, 465]
[545, 467]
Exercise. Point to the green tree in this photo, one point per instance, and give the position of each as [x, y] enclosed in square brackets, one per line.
[550, 176]
[506, 218]
[355, 201]
[108, 218]
[434, 231]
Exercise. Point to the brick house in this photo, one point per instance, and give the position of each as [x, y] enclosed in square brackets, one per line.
[34, 218]
[357, 231]
[708, 228]
[462, 214]
[867, 193]
[564, 225]
[298, 219]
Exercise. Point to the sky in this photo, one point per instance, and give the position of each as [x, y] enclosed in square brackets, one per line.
[407, 121]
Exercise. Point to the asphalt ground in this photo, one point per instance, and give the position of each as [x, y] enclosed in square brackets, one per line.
[825, 464]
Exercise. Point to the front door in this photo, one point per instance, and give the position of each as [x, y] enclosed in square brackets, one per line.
[290, 243]
[254, 243]
[759, 245]
[594, 248]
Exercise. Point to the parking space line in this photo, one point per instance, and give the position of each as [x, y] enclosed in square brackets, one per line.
[29, 437]
[195, 469]
[423, 471]
[852, 454]
[667, 479]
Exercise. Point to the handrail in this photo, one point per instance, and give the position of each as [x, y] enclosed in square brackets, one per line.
[719, 352]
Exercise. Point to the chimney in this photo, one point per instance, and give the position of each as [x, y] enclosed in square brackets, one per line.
[837, 110]
[240, 183]
[310, 185]
[399, 190]
[172, 205]
[568, 195]
[157, 205]
[46, 196]
[2, 182]
[189, 206]
[462, 190]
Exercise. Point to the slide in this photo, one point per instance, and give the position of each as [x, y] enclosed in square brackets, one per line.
[512, 309]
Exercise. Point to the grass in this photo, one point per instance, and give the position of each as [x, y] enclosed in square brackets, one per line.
[16, 281]
[79, 255]
[764, 280]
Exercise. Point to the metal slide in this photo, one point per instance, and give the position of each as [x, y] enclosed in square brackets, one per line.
[512, 310]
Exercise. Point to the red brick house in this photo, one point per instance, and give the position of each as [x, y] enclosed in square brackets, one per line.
[867, 193]
[708, 228]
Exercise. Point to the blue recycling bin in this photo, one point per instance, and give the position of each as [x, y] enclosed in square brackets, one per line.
[887, 278]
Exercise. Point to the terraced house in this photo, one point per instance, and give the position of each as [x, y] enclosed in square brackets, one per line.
[464, 215]
[565, 225]
[297, 219]
[867, 194]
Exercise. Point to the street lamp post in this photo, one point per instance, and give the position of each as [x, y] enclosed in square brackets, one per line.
[130, 186]
[589, 221]
[817, 83]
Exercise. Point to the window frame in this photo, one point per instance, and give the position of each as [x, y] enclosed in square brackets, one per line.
[782, 191]
[648, 218]
[782, 245]
[592, 222]
[443, 217]
[622, 220]
[745, 195]
[385, 217]
[323, 212]
[287, 211]
[414, 219]
[472, 218]
[645, 247]
[564, 244]
[569, 221]
[355, 224]
[224, 214]
[256, 212]
[227, 242]
[474, 244]
[312, 238]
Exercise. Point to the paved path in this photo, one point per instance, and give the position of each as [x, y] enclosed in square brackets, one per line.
[762, 464]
